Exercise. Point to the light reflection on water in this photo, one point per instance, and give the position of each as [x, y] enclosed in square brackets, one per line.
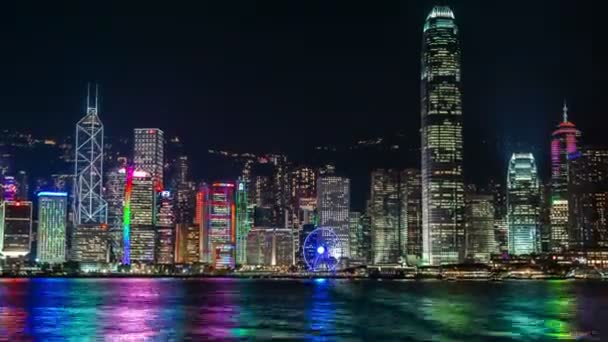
[220, 309]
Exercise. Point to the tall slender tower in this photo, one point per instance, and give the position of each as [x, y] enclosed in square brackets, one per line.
[563, 148]
[523, 204]
[89, 205]
[442, 147]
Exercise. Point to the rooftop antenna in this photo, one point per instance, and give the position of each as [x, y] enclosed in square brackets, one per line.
[88, 95]
[96, 96]
[565, 111]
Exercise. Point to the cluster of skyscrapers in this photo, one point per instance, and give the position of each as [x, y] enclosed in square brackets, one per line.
[145, 210]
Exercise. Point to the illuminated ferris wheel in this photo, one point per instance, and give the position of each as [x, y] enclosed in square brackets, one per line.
[322, 250]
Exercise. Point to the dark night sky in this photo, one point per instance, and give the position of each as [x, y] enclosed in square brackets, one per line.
[282, 75]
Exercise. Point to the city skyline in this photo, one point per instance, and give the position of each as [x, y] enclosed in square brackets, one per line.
[529, 91]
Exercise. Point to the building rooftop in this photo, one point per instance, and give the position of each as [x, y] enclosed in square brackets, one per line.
[441, 12]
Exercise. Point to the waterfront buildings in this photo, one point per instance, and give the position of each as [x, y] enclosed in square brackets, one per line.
[388, 216]
[218, 233]
[523, 204]
[563, 147]
[242, 222]
[333, 206]
[270, 247]
[165, 229]
[442, 142]
[149, 153]
[52, 216]
[413, 197]
[90, 244]
[15, 228]
[479, 217]
[141, 197]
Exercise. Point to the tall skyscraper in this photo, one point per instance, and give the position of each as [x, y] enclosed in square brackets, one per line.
[89, 204]
[15, 228]
[140, 207]
[149, 153]
[165, 229]
[115, 196]
[523, 204]
[479, 216]
[218, 218]
[389, 216]
[588, 197]
[333, 206]
[413, 195]
[242, 223]
[563, 147]
[442, 142]
[356, 236]
[52, 215]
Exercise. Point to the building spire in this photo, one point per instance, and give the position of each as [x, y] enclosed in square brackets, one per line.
[565, 111]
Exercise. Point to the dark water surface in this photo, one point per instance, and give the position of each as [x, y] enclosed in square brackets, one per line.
[174, 309]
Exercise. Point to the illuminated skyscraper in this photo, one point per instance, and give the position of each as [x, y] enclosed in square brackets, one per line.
[442, 145]
[242, 223]
[89, 205]
[115, 196]
[15, 228]
[588, 197]
[333, 206]
[269, 247]
[389, 216]
[52, 215]
[219, 225]
[90, 244]
[165, 229]
[523, 204]
[413, 197]
[563, 147]
[142, 211]
[149, 153]
[479, 216]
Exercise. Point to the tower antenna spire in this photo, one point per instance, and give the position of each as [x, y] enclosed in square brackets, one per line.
[565, 111]
[88, 95]
[96, 96]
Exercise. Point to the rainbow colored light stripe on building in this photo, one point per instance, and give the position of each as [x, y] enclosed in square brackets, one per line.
[126, 229]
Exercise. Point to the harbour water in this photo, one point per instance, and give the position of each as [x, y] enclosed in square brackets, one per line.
[233, 309]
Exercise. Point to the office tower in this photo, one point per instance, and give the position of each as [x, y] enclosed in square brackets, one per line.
[588, 198]
[23, 186]
[218, 236]
[563, 146]
[366, 240]
[149, 153]
[187, 243]
[242, 223]
[501, 228]
[479, 217]
[89, 205]
[333, 206]
[9, 188]
[442, 142]
[52, 215]
[15, 228]
[356, 243]
[523, 204]
[270, 247]
[115, 196]
[139, 217]
[165, 229]
[90, 244]
[413, 195]
[389, 216]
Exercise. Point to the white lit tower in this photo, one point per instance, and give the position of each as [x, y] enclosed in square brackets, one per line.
[89, 205]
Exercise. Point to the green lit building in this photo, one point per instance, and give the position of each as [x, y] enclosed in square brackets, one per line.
[52, 214]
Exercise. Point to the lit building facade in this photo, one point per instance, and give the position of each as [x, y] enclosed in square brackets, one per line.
[90, 244]
[270, 247]
[443, 233]
[165, 229]
[242, 223]
[52, 215]
[141, 197]
[523, 204]
[115, 197]
[588, 197]
[413, 196]
[89, 204]
[333, 207]
[479, 217]
[149, 153]
[15, 228]
[388, 216]
[218, 238]
[563, 148]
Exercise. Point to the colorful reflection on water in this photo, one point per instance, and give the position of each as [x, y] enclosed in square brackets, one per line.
[228, 309]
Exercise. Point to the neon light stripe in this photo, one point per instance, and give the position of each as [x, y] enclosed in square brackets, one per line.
[126, 230]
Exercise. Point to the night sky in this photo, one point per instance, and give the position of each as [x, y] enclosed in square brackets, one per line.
[286, 75]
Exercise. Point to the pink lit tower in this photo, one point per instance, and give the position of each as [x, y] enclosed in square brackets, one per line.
[563, 148]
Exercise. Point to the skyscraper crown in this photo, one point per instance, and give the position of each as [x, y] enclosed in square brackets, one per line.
[441, 12]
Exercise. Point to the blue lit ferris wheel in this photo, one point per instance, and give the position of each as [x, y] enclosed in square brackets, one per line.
[322, 250]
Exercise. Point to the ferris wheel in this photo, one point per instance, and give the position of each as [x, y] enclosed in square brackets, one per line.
[322, 250]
